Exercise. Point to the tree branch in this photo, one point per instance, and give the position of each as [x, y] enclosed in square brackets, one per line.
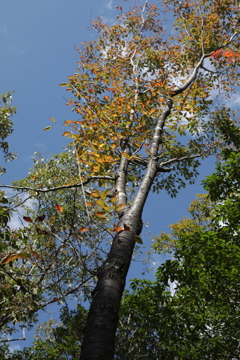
[180, 89]
[27, 188]
[179, 159]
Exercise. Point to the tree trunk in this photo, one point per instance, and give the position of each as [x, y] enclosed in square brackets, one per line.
[103, 315]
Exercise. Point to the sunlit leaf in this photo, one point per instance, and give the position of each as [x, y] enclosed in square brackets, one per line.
[58, 208]
[126, 155]
[100, 202]
[100, 215]
[84, 229]
[120, 207]
[117, 229]
[67, 133]
[89, 203]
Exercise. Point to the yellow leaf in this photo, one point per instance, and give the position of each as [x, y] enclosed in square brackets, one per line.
[120, 207]
[100, 202]
[126, 155]
[47, 128]
[52, 119]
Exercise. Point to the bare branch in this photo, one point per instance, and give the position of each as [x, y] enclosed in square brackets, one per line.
[188, 157]
[27, 188]
[180, 89]
[8, 340]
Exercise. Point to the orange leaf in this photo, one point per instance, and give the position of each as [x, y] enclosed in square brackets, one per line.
[67, 133]
[34, 253]
[58, 208]
[217, 54]
[27, 219]
[67, 122]
[94, 193]
[83, 229]
[101, 215]
[118, 229]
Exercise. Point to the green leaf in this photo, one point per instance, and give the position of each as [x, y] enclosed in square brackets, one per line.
[138, 239]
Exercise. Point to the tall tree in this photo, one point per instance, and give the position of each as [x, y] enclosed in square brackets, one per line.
[6, 128]
[148, 93]
[150, 97]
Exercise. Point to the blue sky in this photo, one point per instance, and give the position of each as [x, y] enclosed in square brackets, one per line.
[37, 41]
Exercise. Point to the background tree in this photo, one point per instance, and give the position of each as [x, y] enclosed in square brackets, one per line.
[44, 260]
[201, 319]
[6, 126]
[148, 108]
[7, 313]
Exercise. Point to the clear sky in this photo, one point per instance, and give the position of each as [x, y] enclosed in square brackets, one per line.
[37, 41]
